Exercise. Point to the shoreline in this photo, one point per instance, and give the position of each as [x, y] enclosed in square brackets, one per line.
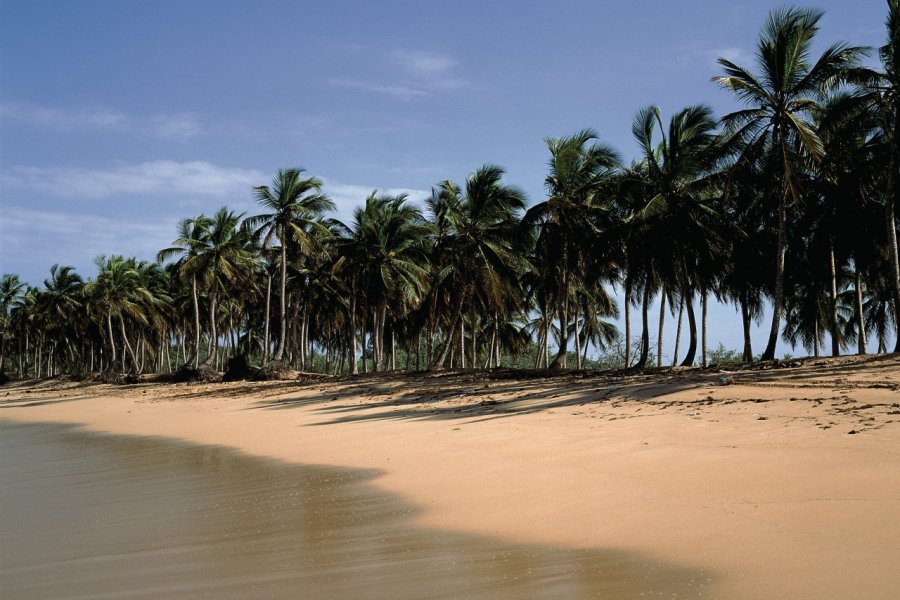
[759, 481]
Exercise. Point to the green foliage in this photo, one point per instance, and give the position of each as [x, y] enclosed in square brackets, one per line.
[720, 355]
[807, 169]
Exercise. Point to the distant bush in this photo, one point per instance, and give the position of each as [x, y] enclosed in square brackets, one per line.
[722, 355]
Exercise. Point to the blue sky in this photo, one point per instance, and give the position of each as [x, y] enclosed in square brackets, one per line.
[117, 119]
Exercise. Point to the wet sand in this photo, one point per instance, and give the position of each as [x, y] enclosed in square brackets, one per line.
[784, 483]
[99, 516]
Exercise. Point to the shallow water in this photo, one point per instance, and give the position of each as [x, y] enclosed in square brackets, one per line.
[99, 516]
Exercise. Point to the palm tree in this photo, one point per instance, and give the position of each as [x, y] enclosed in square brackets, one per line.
[295, 203]
[568, 219]
[675, 174]
[223, 261]
[191, 233]
[881, 92]
[386, 263]
[851, 177]
[481, 245]
[781, 96]
[58, 307]
[11, 289]
[119, 292]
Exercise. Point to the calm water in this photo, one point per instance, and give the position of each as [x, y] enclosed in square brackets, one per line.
[96, 516]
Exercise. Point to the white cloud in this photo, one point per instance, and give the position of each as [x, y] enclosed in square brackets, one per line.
[176, 127]
[425, 64]
[403, 92]
[420, 74]
[195, 178]
[32, 240]
[736, 55]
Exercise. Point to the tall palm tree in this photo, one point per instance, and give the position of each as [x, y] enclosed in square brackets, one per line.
[11, 289]
[781, 96]
[295, 204]
[881, 91]
[119, 291]
[59, 305]
[387, 262]
[223, 261]
[678, 231]
[482, 243]
[191, 235]
[579, 168]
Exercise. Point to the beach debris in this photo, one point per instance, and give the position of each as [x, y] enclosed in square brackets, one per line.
[202, 374]
[759, 417]
[238, 368]
[274, 372]
[726, 380]
[116, 378]
[852, 432]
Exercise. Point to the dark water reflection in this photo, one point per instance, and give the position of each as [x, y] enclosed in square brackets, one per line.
[97, 516]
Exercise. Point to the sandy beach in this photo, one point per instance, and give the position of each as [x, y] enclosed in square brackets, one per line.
[780, 483]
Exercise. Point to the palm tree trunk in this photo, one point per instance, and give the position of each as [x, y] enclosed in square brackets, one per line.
[279, 354]
[394, 353]
[577, 343]
[890, 216]
[462, 343]
[745, 321]
[678, 333]
[778, 295]
[559, 362]
[376, 340]
[134, 361]
[112, 341]
[662, 320]
[213, 333]
[472, 323]
[692, 328]
[265, 357]
[419, 351]
[354, 365]
[304, 339]
[362, 338]
[382, 326]
[547, 325]
[703, 329]
[835, 332]
[645, 329]
[438, 364]
[891, 224]
[497, 341]
[627, 322]
[860, 317]
[195, 359]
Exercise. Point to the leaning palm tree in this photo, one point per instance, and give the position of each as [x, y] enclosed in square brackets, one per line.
[579, 167]
[781, 96]
[295, 204]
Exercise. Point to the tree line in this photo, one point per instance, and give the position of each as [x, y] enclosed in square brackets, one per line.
[788, 202]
